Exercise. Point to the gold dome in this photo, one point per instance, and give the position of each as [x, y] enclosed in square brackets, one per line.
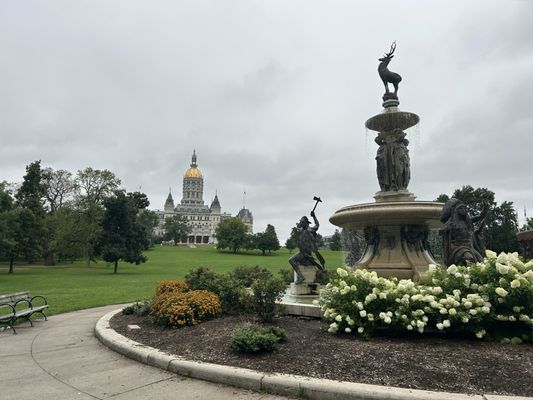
[193, 172]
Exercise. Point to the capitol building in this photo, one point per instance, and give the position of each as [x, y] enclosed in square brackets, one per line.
[202, 219]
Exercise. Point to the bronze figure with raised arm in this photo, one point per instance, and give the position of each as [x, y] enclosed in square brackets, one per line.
[307, 247]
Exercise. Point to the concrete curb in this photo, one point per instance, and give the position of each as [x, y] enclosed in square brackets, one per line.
[281, 384]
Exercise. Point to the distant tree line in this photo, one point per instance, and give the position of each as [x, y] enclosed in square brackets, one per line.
[54, 216]
[232, 234]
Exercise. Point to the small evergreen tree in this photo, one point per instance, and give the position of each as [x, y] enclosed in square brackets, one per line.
[335, 244]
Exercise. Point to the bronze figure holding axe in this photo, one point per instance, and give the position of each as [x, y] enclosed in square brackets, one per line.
[307, 245]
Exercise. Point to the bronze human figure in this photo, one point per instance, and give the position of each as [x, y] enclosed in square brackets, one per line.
[462, 240]
[393, 162]
[307, 247]
[386, 75]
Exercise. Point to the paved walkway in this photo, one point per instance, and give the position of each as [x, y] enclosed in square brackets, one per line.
[60, 359]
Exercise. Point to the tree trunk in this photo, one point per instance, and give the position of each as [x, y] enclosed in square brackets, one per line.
[116, 267]
[11, 260]
[263, 252]
[49, 259]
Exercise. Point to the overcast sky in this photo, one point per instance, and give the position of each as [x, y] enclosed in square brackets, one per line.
[273, 95]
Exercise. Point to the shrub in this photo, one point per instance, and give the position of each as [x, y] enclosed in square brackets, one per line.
[171, 285]
[245, 276]
[229, 291]
[286, 275]
[491, 298]
[178, 308]
[255, 339]
[232, 295]
[264, 295]
[139, 308]
[202, 278]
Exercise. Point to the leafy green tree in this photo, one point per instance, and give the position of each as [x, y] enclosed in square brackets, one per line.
[231, 233]
[96, 185]
[528, 226]
[336, 244]
[70, 235]
[149, 221]
[60, 188]
[292, 241]
[176, 228]
[93, 186]
[267, 240]
[123, 238]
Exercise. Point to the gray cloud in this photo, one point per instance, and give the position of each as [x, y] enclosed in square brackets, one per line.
[272, 95]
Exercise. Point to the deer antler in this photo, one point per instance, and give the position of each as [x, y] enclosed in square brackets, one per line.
[392, 48]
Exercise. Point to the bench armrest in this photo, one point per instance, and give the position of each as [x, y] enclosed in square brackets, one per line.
[38, 297]
[28, 301]
[6, 316]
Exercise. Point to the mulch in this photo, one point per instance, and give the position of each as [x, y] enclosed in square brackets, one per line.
[430, 362]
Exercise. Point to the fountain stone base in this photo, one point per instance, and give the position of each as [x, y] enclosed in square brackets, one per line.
[396, 235]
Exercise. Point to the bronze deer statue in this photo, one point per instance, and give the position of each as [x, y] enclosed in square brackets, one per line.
[386, 75]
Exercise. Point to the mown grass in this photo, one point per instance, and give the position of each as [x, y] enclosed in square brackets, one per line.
[73, 286]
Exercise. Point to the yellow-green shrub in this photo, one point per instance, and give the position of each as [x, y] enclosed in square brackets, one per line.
[171, 285]
[177, 308]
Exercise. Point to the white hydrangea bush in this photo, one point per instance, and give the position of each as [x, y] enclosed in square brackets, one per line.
[492, 298]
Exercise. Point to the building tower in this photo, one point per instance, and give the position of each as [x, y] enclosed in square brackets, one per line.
[169, 203]
[193, 185]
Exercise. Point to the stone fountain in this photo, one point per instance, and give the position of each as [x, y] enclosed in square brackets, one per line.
[395, 226]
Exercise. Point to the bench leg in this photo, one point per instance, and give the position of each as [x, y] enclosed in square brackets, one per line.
[42, 313]
[7, 326]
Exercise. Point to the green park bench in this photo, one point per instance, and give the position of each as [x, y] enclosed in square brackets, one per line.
[20, 305]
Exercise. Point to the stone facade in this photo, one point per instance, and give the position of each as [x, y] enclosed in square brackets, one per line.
[201, 218]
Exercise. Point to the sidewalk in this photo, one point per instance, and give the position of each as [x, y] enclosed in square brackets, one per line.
[61, 359]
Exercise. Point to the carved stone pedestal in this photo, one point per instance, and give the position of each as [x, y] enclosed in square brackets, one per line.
[306, 291]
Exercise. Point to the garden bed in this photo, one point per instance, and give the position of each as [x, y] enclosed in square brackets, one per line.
[430, 362]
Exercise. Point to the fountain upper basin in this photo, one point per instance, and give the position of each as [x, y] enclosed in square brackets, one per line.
[392, 118]
[359, 216]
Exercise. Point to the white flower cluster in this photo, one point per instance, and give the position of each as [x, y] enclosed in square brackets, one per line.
[469, 297]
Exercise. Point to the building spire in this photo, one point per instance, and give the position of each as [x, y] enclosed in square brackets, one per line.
[193, 163]
[244, 199]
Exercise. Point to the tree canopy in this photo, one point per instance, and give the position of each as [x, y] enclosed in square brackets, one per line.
[123, 237]
[231, 233]
[267, 240]
[176, 228]
[336, 243]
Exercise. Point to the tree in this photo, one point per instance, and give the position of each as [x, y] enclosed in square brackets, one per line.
[501, 221]
[231, 233]
[123, 238]
[30, 228]
[176, 228]
[93, 187]
[31, 193]
[336, 244]
[149, 220]
[292, 242]
[59, 188]
[96, 185]
[267, 240]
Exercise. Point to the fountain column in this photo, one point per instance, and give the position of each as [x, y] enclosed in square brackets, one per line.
[395, 226]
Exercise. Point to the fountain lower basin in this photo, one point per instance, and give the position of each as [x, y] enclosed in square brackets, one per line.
[359, 216]
[396, 235]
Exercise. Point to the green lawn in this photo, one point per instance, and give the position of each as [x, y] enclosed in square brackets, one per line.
[74, 286]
